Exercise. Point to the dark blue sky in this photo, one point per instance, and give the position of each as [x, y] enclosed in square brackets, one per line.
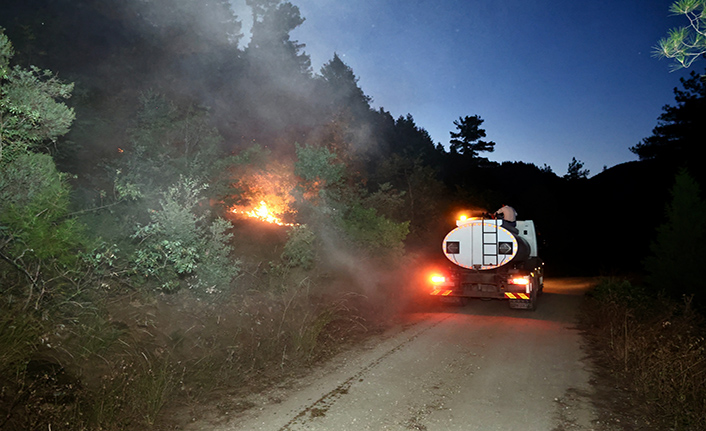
[552, 80]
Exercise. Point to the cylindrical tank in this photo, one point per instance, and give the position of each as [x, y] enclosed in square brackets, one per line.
[484, 244]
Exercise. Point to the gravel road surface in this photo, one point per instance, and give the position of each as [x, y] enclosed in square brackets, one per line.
[479, 367]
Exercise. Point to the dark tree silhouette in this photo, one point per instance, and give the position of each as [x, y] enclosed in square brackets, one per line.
[467, 140]
[677, 253]
[680, 130]
[413, 141]
[273, 20]
[576, 171]
[343, 84]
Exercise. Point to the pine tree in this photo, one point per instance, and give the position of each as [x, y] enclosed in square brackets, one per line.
[38, 239]
[467, 140]
[32, 114]
[678, 251]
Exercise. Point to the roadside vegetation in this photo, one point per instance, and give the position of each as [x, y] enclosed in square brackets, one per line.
[137, 293]
[654, 346]
[650, 333]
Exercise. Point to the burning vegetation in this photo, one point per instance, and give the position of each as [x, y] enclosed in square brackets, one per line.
[265, 213]
[262, 190]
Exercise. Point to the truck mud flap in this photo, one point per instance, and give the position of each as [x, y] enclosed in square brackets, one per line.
[520, 304]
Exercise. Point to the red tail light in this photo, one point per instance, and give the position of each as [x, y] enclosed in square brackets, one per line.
[437, 279]
[520, 280]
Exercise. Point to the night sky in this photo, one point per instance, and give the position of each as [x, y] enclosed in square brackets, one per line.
[552, 80]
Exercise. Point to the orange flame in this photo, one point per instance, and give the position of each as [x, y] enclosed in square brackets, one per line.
[263, 213]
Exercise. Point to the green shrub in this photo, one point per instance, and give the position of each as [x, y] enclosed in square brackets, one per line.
[39, 241]
[299, 250]
[620, 292]
[34, 202]
[181, 247]
[374, 233]
[315, 164]
[30, 107]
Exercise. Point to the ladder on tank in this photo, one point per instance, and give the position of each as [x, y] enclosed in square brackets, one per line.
[489, 230]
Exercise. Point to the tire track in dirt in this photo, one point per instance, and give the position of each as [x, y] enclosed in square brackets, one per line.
[320, 406]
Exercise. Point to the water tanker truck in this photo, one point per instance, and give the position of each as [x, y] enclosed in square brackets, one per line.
[492, 260]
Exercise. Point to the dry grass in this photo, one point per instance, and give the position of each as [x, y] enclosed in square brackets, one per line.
[655, 346]
[135, 361]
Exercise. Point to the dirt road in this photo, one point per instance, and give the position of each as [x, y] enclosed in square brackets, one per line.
[480, 367]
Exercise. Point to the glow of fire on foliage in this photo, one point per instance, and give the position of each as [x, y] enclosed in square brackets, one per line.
[263, 213]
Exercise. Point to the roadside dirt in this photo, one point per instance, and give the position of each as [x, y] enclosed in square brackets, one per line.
[480, 367]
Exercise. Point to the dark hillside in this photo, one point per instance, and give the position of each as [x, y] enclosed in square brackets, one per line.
[597, 226]
[616, 214]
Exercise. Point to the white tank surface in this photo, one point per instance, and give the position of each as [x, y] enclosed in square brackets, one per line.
[483, 244]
